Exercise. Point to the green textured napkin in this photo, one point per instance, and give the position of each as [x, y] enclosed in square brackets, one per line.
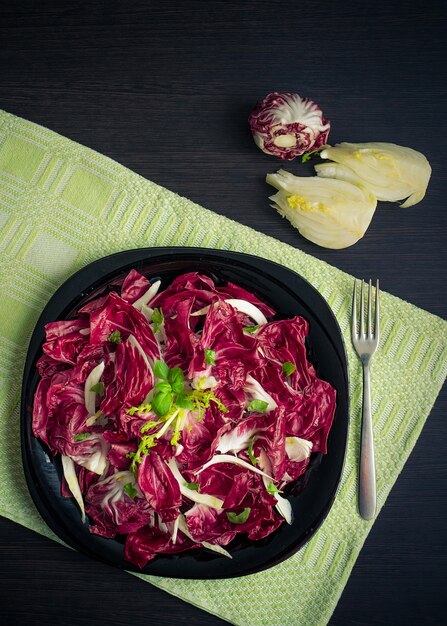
[63, 206]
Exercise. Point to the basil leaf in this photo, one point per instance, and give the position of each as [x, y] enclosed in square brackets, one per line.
[157, 316]
[288, 368]
[82, 436]
[184, 401]
[193, 486]
[251, 329]
[175, 378]
[241, 518]
[98, 388]
[130, 490]
[115, 337]
[157, 319]
[258, 405]
[250, 452]
[210, 357]
[161, 370]
[164, 386]
[161, 402]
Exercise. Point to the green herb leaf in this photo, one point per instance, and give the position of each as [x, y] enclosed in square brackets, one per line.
[272, 489]
[193, 486]
[288, 368]
[146, 443]
[175, 378]
[210, 357]
[161, 402]
[184, 401]
[157, 319]
[115, 337]
[308, 155]
[161, 370]
[140, 409]
[130, 490]
[202, 400]
[241, 518]
[98, 388]
[258, 405]
[251, 329]
[175, 437]
[164, 386]
[82, 436]
[149, 425]
[250, 452]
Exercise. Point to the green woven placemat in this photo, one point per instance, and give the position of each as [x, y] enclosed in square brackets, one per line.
[63, 206]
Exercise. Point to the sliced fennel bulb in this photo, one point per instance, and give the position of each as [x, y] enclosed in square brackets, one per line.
[298, 449]
[331, 213]
[389, 171]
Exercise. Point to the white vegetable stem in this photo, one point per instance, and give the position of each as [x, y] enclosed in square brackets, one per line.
[68, 467]
[211, 546]
[255, 389]
[228, 458]
[195, 496]
[240, 305]
[249, 309]
[283, 506]
[147, 296]
[92, 379]
[236, 439]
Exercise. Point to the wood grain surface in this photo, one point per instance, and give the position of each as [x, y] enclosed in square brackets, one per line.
[165, 88]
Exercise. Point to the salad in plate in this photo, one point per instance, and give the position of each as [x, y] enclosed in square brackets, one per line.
[181, 413]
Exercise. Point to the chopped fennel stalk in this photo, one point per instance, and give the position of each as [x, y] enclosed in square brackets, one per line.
[283, 506]
[211, 546]
[92, 379]
[228, 458]
[240, 305]
[192, 494]
[255, 389]
[68, 467]
[249, 309]
[147, 296]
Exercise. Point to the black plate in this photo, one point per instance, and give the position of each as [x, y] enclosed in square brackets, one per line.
[290, 295]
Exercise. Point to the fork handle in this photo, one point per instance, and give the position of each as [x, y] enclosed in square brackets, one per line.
[367, 476]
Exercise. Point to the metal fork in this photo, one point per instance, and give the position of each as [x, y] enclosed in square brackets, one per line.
[365, 346]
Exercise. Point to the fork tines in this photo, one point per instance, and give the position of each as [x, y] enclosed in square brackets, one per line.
[358, 329]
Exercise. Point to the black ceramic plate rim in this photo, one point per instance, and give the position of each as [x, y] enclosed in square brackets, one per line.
[43, 504]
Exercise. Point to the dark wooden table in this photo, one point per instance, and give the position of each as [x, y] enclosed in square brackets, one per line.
[165, 88]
